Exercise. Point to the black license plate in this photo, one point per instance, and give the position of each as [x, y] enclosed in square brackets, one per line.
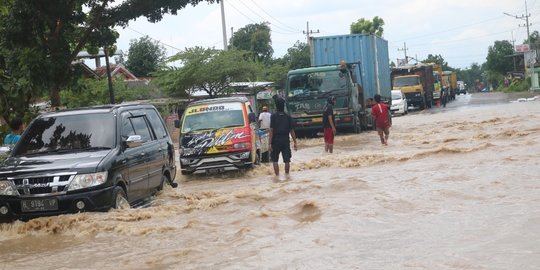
[39, 205]
[215, 170]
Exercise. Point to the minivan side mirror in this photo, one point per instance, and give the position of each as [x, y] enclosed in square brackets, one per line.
[252, 117]
[134, 141]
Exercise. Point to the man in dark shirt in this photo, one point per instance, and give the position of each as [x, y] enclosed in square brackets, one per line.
[281, 125]
[329, 126]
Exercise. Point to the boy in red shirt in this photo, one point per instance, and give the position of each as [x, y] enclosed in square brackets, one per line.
[383, 121]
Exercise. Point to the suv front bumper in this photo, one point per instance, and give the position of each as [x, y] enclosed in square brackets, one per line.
[94, 200]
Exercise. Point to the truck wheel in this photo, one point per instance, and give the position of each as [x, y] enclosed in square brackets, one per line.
[356, 125]
[119, 199]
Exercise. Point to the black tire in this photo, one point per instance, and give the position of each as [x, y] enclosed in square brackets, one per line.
[119, 199]
[356, 125]
[165, 179]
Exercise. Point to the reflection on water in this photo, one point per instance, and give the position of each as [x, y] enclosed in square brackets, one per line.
[454, 190]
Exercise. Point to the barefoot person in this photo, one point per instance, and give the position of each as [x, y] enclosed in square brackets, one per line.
[383, 121]
[281, 125]
[329, 125]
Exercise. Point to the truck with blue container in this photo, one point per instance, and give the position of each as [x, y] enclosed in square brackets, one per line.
[352, 68]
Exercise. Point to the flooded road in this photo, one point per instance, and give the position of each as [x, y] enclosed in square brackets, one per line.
[457, 188]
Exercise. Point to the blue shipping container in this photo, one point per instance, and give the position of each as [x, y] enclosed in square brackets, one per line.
[368, 52]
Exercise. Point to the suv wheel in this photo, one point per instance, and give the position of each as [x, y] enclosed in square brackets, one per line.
[120, 199]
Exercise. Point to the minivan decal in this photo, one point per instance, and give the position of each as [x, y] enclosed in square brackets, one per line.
[206, 142]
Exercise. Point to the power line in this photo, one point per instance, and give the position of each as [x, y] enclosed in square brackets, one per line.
[264, 19]
[292, 28]
[448, 30]
[142, 34]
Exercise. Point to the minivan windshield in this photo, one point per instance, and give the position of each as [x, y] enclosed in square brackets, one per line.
[215, 116]
[68, 133]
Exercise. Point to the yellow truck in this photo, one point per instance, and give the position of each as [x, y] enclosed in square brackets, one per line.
[416, 82]
[449, 79]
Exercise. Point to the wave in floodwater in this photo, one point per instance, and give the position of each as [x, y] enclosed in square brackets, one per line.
[452, 190]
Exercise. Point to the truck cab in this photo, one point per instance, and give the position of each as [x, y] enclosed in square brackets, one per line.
[411, 86]
[220, 134]
[308, 89]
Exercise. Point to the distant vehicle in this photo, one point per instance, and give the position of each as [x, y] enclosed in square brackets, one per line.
[461, 88]
[220, 134]
[399, 103]
[87, 159]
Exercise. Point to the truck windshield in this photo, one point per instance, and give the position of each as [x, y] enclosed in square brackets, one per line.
[68, 133]
[323, 83]
[406, 81]
[213, 120]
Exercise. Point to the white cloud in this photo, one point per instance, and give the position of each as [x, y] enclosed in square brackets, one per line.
[459, 30]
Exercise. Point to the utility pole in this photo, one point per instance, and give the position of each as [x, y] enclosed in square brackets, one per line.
[232, 37]
[405, 50]
[223, 26]
[308, 32]
[534, 81]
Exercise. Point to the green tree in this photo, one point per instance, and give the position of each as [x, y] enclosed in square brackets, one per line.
[498, 59]
[145, 56]
[40, 39]
[438, 59]
[363, 26]
[471, 75]
[256, 39]
[298, 56]
[209, 70]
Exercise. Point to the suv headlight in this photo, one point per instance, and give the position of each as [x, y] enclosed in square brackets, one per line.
[87, 180]
[7, 188]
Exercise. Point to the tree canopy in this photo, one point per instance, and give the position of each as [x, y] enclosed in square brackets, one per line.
[208, 70]
[40, 39]
[498, 59]
[437, 59]
[256, 39]
[145, 56]
[365, 26]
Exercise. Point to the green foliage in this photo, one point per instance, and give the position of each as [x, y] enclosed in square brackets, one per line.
[518, 86]
[470, 75]
[209, 70]
[40, 39]
[298, 56]
[256, 39]
[438, 59]
[497, 58]
[363, 26]
[145, 56]
[91, 92]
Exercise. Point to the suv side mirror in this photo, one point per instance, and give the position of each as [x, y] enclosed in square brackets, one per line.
[134, 141]
[252, 117]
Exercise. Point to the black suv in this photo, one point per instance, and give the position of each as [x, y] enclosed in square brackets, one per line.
[87, 159]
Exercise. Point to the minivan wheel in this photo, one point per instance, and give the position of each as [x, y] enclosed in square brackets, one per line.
[120, 199]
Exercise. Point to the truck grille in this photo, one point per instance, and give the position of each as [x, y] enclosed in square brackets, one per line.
[42, 184]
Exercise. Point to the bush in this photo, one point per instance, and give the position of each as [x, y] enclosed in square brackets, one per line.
[519, 86]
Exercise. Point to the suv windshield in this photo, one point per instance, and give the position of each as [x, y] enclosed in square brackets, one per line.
[66, 133]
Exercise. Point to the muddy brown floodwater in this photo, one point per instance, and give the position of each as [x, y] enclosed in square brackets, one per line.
[457, 188]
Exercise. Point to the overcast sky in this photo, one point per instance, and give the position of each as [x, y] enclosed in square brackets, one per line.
[459, 30]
